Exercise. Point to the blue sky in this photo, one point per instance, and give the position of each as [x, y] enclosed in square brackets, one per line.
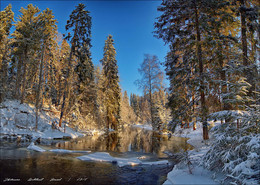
[130, 22]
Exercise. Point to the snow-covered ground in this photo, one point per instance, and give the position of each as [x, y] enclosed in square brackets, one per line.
[68, 151]
[181, 172]
[195, 136]
[106, 157]
[19, 120]
[32, 146]
[36, 148]
[145, 126]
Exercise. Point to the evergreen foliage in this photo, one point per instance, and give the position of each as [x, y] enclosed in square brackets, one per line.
[208, 62]
[6, 19]
[85, 102]
[111, 87]
[236, 151]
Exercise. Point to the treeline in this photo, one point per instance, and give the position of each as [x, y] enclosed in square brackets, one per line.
[213, 62]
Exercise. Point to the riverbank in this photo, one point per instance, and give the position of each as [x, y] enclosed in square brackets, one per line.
[193, 172]
[18, 121]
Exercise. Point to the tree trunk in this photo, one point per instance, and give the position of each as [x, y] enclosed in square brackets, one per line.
[225, 106]
[238, 124]
[4, 74]
[150, 94]
[193, 110]
[24, 73]
[202, 88]
[39, 89]
[18, 78]
[248, 73]
[243, 32]
[107, 118]
[59, 92]
[67, 87]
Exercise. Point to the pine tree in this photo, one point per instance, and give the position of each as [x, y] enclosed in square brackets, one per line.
[26, 41]
[59, 69]
[46, 34]
[184, 34]
[111, 87]
[6, 18]
[248, 10]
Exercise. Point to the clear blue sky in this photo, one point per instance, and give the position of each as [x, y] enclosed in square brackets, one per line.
[130, 22]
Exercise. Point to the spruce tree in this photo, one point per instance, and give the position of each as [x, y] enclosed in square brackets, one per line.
[80, 23]
[111, 86]
[99, 81]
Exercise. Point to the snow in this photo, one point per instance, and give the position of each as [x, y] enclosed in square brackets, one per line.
[236, 153]
[182, 176]
[229, 113]
[32, 146]
[195, 136]
[145, 126]
[19, 119]
[68, 151]
[98, 156]
[156, 162]
[232, 157]
[180, 173]
[106, 157]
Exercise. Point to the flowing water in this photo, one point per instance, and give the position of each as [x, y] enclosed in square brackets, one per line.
[21, 166]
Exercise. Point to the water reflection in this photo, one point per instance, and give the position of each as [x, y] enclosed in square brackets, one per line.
[129, 140]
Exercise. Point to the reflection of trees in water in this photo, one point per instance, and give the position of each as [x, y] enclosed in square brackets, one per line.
[113, 142]
[135, 139]
[139, 140]
[156, 143]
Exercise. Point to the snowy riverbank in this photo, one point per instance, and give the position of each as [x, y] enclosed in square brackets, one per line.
[181, 172]
[231, 154]
[18, 120]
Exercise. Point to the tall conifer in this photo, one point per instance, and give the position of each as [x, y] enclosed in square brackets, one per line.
[111, 87]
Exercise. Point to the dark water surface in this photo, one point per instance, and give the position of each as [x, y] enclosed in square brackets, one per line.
[21, 166]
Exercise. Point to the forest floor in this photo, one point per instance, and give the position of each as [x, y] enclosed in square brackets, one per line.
[194, 173]
[18, 121]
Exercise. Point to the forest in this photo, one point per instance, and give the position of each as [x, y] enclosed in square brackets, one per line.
[39, 66]
[212, 66]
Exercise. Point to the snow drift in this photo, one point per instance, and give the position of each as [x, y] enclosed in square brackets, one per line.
[106, 157]
[19, 119]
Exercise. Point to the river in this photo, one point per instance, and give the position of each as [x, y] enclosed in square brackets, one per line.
[22, 166]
